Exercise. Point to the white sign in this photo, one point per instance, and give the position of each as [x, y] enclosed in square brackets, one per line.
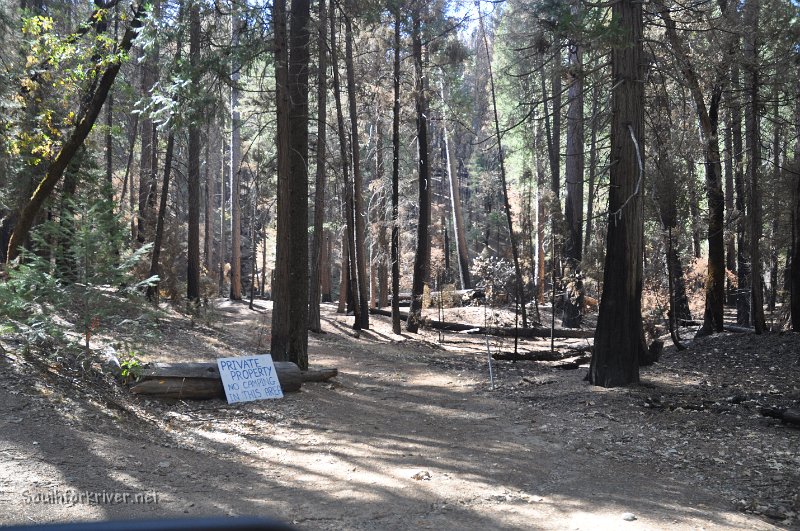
[249, 378]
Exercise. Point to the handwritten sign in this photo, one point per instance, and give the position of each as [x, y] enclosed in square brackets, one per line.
[249, 378]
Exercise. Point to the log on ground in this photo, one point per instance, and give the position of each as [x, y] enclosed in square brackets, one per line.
[202, 379]
[494, 331]
[540, 355]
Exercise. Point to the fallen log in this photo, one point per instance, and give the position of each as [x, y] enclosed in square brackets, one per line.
[492, 330]
[728, 327]
[787, 415]
[319, 375]
[541, 355]
[201, 380]
[194, 388]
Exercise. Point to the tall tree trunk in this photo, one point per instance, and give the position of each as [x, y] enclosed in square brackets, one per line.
[573, 244]
[422, 256]
[753, 146]
[619, 340]
[455, 203]
[358, 197]
[541, 212]
[290, 341]
[223, 240]
[193, 249]
[320, 181]
[72, 143]
[325, 268]
[349, 210]
[396, 176]
[152, 290]
[708, 117]
[742, 248]
[694, 209]
[208, 243]
[148, 168]
[383, 240]
[794, 174]
[280, 289]
[344, 277]
[592, 166]
[155, 268]
[730, 234]
[236, 166]
[506, 204]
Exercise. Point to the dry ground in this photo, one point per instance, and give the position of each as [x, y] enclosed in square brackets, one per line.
[412, 435]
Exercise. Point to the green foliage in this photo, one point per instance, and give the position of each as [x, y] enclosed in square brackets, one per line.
[131, 366]
[74, 276]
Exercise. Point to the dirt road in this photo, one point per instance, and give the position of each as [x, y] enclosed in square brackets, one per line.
[410, 435]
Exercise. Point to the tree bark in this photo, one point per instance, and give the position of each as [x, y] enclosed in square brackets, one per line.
[235, 165]
[573, 243]
[422, 256]
[794, 174]
[320, 182]
[396, 176]
[742, 248]
[353, 280]
[753, 146]
[360, 212]
[193, 249]
[290, 340]
[619, 339]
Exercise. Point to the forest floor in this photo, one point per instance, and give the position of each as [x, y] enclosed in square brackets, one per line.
[411, 434]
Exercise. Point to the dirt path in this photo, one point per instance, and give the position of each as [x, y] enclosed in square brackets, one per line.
[410, 435]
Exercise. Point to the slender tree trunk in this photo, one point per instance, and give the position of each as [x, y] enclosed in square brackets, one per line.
[422, 256]
[753, 141]
[794, 174]
[573, 244]
[694, 210]
[455, 203]
[730, 234]
[148, 166]
[208, 245]
[236, 167]
[619, 340]
[541, 212]
[193, 250]
[152, 290]
[708, 117]
[223, 240]
[320, 182]
[350, 222]
[592, 167]
[358, 198]
[506, 204]
[396, 177]
[344, 277]
[325, 268]
[383, 240]
[742, 248]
